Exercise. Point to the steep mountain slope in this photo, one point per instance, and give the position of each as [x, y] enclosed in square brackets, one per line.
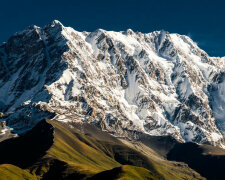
[126, 83]
[81, 151]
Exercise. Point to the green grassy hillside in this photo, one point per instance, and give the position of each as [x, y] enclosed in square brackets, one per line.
[81, 151]
[125, 172]
[10, 172]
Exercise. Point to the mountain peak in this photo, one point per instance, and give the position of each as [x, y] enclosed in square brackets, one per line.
[129, 32]
[56, 22]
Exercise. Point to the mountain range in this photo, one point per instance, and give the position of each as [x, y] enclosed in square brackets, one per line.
[124, 103]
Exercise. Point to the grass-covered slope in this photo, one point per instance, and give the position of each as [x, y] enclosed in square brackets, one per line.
[87, 151]
[125, 172]
[82, 154]
[10, 172]
[56, 150]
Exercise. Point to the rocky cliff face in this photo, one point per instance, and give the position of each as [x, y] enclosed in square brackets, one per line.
[123, 82]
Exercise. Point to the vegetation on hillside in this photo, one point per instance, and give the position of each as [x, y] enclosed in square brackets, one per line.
[81, 151]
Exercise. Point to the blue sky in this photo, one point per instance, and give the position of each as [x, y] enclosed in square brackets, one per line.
[202, 20]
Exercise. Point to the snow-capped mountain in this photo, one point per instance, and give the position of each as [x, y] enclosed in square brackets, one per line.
[123, 82]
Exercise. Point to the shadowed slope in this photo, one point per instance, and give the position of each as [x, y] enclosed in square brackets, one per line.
[25, 150]
[209, 161]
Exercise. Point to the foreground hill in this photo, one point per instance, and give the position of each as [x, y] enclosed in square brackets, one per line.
[57, 150]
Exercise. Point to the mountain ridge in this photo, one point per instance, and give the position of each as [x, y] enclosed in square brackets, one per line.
[126, 83]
